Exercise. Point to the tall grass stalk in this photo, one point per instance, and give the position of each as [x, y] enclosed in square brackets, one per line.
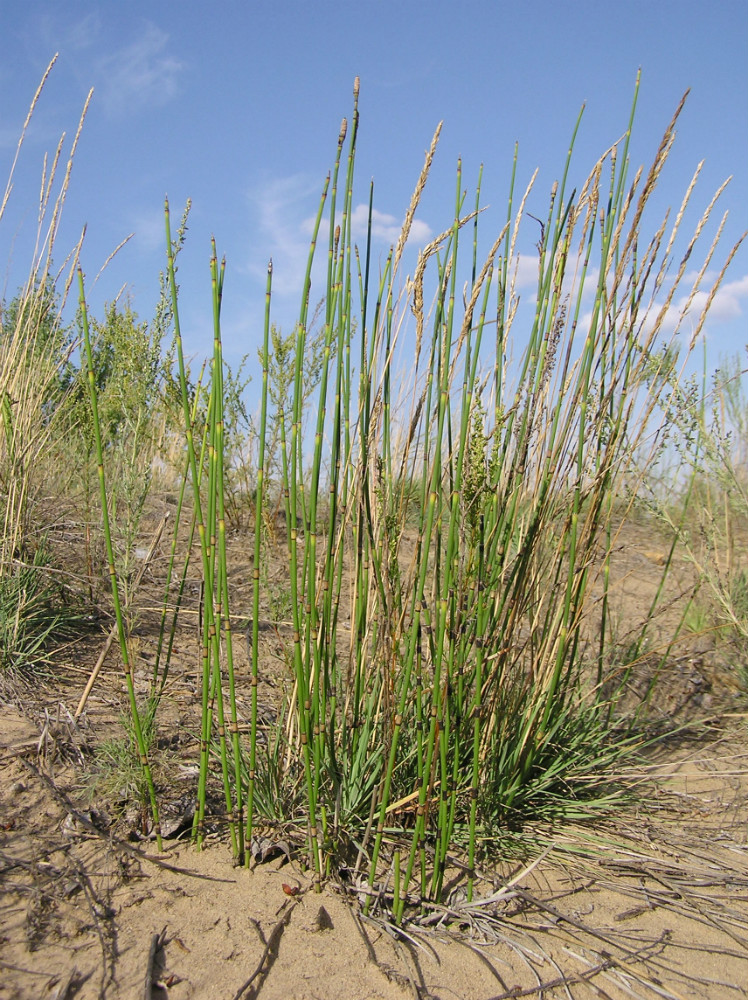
[162, 659]
[34, 352]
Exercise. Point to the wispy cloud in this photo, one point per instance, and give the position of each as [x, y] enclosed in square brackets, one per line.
[386, 228]
[280, 205]
[9, 136]
[57, 33]
[128, 73]
[79, 35]
[141, 73]
[286, 228]
[148, 231]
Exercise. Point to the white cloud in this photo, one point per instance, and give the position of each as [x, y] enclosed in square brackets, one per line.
[525, 266]
[58, 34]
[727, 301]
[283, 201]
[278, 204]
[149, 231]
[140, 73]
[523, 273]
[80, 34]
[523, 270]
[386, 228]
[727, 305]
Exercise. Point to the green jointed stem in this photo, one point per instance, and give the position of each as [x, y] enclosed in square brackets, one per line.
[236, 818]
[259, 507]
[134, 712]
[170, 571]
[293, 488]
[209, 631]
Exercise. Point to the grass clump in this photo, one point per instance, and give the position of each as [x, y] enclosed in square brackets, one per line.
[118, 772]
[35, 618]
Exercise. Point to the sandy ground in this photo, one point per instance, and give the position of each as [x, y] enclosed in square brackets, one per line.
[653, 904]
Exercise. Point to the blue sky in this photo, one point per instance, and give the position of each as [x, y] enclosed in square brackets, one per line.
[237, 106]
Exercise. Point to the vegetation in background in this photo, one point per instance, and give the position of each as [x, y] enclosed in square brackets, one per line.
[136, 404]
[708, 435]
[34, 354]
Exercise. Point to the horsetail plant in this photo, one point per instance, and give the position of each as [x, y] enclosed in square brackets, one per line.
[451, 667]
[121, 632]
[236, 818]
[211, 533]
[259, 506]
